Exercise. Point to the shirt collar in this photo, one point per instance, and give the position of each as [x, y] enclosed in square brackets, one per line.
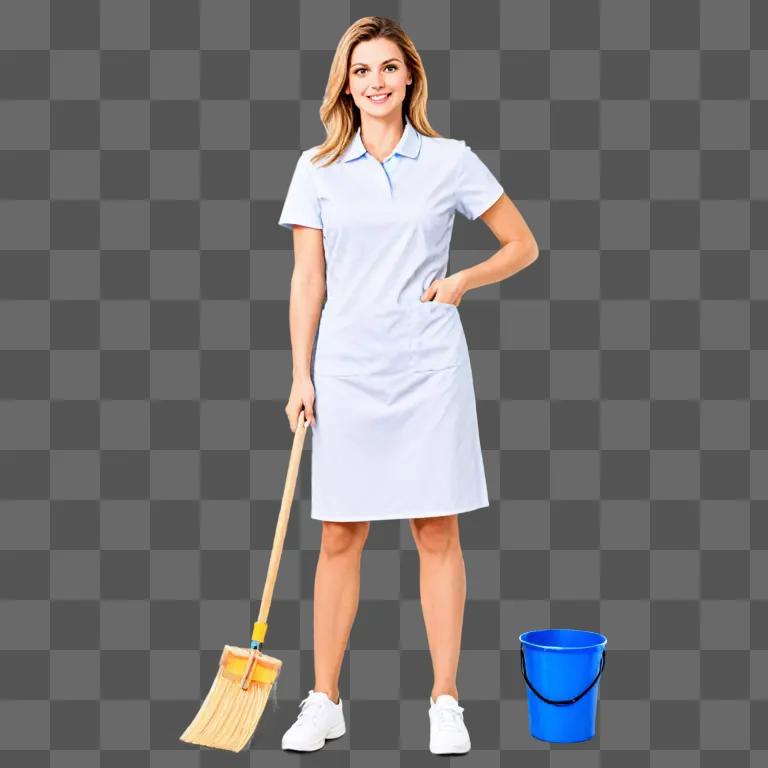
[408, 146]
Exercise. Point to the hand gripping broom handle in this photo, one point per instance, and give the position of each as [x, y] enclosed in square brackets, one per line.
[260, 626]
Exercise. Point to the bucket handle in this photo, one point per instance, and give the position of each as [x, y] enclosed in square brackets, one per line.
[565, 702]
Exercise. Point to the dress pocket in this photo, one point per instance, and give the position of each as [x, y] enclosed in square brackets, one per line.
[438, 340]
[362, 344]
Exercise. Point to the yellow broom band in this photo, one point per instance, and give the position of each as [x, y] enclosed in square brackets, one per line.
[234, 668]
[259, 631]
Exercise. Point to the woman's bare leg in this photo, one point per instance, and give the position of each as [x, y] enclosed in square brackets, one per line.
[443, 586]
[337, 594]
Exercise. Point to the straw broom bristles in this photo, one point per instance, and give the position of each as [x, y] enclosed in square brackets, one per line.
[229, 714]
[240, 710]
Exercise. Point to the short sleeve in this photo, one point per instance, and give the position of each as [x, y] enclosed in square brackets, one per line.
[476, 187]
[301, 205]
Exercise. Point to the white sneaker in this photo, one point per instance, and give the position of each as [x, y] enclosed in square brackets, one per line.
[319, 719]
[447, 733]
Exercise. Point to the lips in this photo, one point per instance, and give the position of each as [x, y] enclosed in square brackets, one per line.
[380, 101]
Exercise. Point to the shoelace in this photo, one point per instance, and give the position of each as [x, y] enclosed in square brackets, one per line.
[308, 706]
[447, 718]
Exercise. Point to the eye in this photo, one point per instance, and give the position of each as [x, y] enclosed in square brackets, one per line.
[364, 69]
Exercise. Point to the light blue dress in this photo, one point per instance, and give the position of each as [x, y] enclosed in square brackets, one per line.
[396, 432]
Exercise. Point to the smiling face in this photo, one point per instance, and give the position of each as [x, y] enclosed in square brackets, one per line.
[377, 67]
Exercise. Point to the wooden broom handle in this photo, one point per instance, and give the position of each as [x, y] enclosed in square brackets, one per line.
[282, 520]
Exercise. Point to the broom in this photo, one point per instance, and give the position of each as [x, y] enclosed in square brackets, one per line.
[233, 707]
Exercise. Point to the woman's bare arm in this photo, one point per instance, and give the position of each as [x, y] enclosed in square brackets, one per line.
[306, 301]
[519, 248]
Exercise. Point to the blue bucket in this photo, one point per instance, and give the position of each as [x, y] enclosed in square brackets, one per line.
[561, 668]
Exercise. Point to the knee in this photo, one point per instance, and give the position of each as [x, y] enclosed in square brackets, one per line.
[435, 535]
[339, 538]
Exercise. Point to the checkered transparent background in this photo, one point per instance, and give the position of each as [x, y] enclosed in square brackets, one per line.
[622, 379]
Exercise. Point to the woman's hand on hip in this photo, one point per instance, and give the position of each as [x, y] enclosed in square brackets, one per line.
[446, 290]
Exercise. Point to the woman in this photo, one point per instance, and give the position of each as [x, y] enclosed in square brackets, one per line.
[381, 369]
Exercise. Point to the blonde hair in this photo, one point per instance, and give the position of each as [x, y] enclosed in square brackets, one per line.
[338, 112]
